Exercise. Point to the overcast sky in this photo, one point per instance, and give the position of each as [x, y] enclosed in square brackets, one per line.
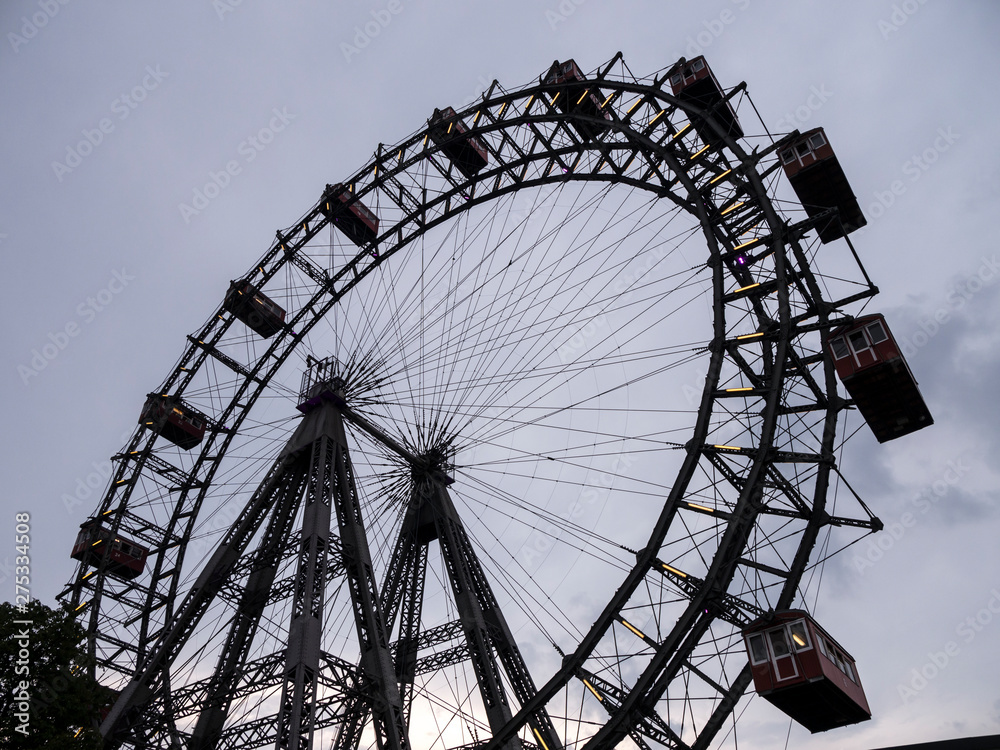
[110, 260]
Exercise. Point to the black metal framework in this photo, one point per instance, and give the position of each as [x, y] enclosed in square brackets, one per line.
[727, 537]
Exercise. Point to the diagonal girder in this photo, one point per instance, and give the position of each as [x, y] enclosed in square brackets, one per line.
[404, 577]
[650, 724]
[248, 613]
[130, 714]
[484, 623]
[472, 609]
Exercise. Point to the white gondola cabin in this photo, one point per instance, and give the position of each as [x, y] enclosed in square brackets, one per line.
[173, 420]
[692, 81]
[877, 378]
[820, 184]
[257, 311]
[800, 669]
[349, 215]
[575, 95]
[466, 151]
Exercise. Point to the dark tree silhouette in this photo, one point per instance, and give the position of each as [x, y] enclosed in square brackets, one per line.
[47, 698]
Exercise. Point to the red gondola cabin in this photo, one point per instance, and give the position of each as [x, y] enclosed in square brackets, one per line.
[94, 543]
[820, 184]
[800, 669]
[257, 311]
[693, 82]
[575, 95]
[174, 420]
[466, 152]
[349, 215]
[877, 377]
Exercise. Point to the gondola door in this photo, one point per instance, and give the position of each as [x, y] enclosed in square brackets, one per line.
[782, 658]
[861, 347]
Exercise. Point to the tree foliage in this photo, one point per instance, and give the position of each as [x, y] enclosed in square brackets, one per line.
[47, 698]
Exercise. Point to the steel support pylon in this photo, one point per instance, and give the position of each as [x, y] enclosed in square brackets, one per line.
[431, 515]
[332, 490]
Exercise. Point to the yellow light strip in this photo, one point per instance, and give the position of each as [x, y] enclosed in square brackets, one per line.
[425, 138]
[674, 570]
[605, 102]
[719, 177]
[450, 126]
[531, 100]
[81, 606]
[555, 97]
[88, 575]
[583, 95]
[727, 447]
[732, 208]
[540, 740]
[681, 132]
[637, 103]
[746, 336]
[748, 286]
[754, 241]
[593, 690]
[739, 390]
[112, 510]
[658, 116]
[502, 108]
[121, 481]
[400, 157]
[703, 150]
[99, 541]
[261, 268]
[633, 629]
[701, 507]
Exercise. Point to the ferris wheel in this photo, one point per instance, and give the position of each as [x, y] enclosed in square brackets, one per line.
[504, 443]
